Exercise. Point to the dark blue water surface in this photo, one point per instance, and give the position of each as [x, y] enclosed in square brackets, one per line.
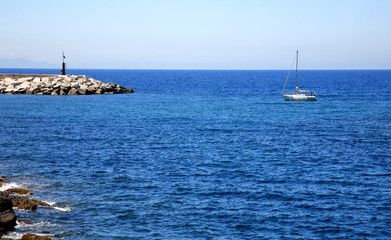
[205, 155]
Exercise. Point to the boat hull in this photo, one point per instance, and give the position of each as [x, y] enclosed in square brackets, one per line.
[299, 97]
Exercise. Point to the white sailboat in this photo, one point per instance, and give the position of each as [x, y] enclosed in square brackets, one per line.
[298, 95]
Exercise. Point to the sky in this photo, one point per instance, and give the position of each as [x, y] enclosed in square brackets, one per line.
[197, 34]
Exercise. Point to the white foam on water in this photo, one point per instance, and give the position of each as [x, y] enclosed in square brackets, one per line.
[61, 209]
[6, 186]
[50, 203]
[20, 225]
[43, 234]
[13, 235]
[17, 235]
[19, 210]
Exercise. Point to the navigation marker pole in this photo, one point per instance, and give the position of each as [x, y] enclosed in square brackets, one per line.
[63, 64]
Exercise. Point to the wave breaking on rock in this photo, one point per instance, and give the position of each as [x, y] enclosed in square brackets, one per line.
[11, 202]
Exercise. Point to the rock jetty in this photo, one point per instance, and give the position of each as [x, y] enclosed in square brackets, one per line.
[56, 85]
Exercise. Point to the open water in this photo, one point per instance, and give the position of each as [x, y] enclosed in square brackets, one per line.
[205, 155]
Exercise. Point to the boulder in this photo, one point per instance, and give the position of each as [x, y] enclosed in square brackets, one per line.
[92, 89]
[129, 90]
[9, 90]
[67, 78]
[46, 91]
[36, 84]
[63, 92]
[25, 221]
[111, 85]
[7, 214]
[20, 191]
[81, 81]
[10, 87]
[65, 87]
[55, 92]
[75, 85]
[57, 85]
[99, 91]
[24, 85]
[82, 91]
[103, 87]
[23, 202]
[45, 80]
[19, 90]
[25, 79]
[49, 84]
[33, 90]
[66, 83]
[8, 81]
[118, 90]
[72, 91]
[30, 236]
[3, 180]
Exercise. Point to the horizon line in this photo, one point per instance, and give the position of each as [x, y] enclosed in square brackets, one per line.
[208, 69]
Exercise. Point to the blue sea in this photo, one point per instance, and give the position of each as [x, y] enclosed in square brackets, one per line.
[205, 155]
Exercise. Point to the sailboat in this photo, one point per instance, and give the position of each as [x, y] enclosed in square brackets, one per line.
[298, 95]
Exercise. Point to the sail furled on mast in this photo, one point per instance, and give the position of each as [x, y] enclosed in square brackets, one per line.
[297, 62]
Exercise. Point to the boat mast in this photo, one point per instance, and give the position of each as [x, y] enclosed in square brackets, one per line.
[297, 60]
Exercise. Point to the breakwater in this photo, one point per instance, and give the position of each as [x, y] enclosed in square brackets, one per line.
[42, 84]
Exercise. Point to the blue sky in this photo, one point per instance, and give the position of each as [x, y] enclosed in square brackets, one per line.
[199, 34]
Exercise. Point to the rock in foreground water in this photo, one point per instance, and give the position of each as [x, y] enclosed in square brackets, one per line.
[56, 85]
[7, 215]
[30, 236]
[23, 202]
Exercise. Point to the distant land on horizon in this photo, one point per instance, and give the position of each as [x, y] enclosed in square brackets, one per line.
[24, 63]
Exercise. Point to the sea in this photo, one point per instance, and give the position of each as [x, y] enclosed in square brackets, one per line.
[204, 154]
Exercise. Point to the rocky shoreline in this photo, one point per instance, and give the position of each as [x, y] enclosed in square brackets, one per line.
[41, 84]
[15, 198]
